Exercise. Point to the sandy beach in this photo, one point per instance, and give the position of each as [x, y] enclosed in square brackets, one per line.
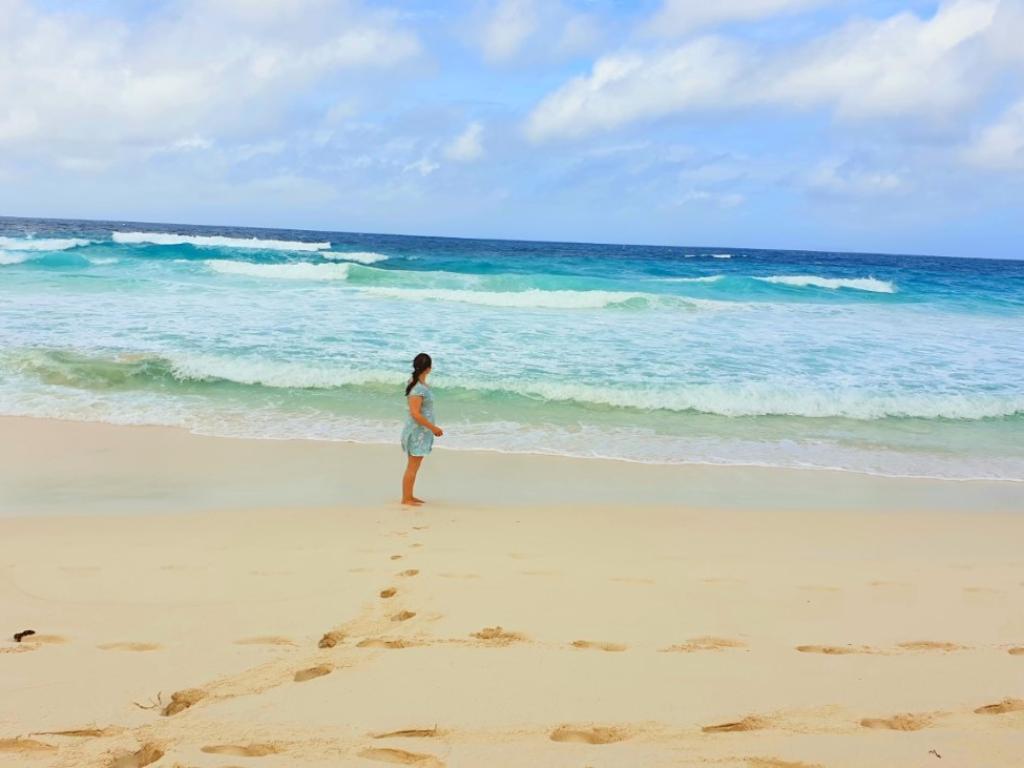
[216, 602]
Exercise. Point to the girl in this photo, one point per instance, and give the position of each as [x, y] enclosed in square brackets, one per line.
[420, 430]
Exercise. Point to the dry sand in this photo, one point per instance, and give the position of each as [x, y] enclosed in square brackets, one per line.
[267, 604]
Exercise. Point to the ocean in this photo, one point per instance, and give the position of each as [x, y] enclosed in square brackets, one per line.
[883, 364]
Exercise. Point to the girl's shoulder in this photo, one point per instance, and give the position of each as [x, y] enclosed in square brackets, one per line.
[419, 390]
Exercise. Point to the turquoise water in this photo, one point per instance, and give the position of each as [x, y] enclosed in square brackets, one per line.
[885, 364]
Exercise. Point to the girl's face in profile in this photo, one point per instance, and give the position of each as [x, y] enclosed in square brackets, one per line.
[426, 373]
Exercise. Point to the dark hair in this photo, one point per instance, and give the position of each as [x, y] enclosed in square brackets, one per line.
[420, 363]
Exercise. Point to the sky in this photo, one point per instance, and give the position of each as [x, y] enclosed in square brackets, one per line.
[857, 125]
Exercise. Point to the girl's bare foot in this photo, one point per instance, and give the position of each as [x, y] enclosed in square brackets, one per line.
[418, 500]
[411, 502]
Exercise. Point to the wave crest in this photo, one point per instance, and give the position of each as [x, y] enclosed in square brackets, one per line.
[215, 241]
[360, 257]
[42, 244]
[92, 372]
[7, 259]
[869, 284]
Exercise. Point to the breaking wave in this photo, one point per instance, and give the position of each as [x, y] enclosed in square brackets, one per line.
[215, 241]
[361, 257]
[832, 283]
[138, 371]
[42, 243]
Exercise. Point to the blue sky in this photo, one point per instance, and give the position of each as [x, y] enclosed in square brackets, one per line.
[822, 124]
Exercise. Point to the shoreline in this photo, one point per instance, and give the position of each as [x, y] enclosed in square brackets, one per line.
[50, 465]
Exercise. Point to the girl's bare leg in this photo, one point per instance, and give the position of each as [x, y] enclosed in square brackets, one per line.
[409, 480]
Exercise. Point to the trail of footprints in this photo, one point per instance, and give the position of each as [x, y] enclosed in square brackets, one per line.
[262, 678]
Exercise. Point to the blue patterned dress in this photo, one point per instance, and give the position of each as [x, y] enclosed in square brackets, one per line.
[417, 440]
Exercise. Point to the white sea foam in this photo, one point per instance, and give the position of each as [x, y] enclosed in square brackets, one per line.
[274, 373]
[858, 284]
[7, 259]
[215, 241]
[100, 261]
[294, 271]
[42, 244]
[361, 257]
[721, 255]
[533, 298]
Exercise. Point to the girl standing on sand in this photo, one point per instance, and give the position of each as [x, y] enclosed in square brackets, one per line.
[420, 429]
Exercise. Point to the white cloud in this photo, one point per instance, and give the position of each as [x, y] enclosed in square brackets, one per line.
[424, 166]
[627, 87]
[900, 66]
[678, 17]
[212, 68]
[1000, 146]
[467, 146]
[848, 179]
[507, 28]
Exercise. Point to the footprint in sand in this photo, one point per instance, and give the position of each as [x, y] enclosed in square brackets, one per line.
[400, 757]
[331, 639]
[146, 755]
[126, 646]
[409, 733]
[1019, 651]
[24, 746]
[82, 733]
[44, 640]
[498, 636]
[704, 644]
[24, 647]
[312, 673]
[836, 650]
[242, 750]
[380, 642]
[931, 645]
[403, 615]
[1001, 708]
[409, 573]
[389, 592]
[265, 640]
[598, 646]
[182, 700]
[902, 722]
[739, 726]
[396, 557]
[597, 735]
